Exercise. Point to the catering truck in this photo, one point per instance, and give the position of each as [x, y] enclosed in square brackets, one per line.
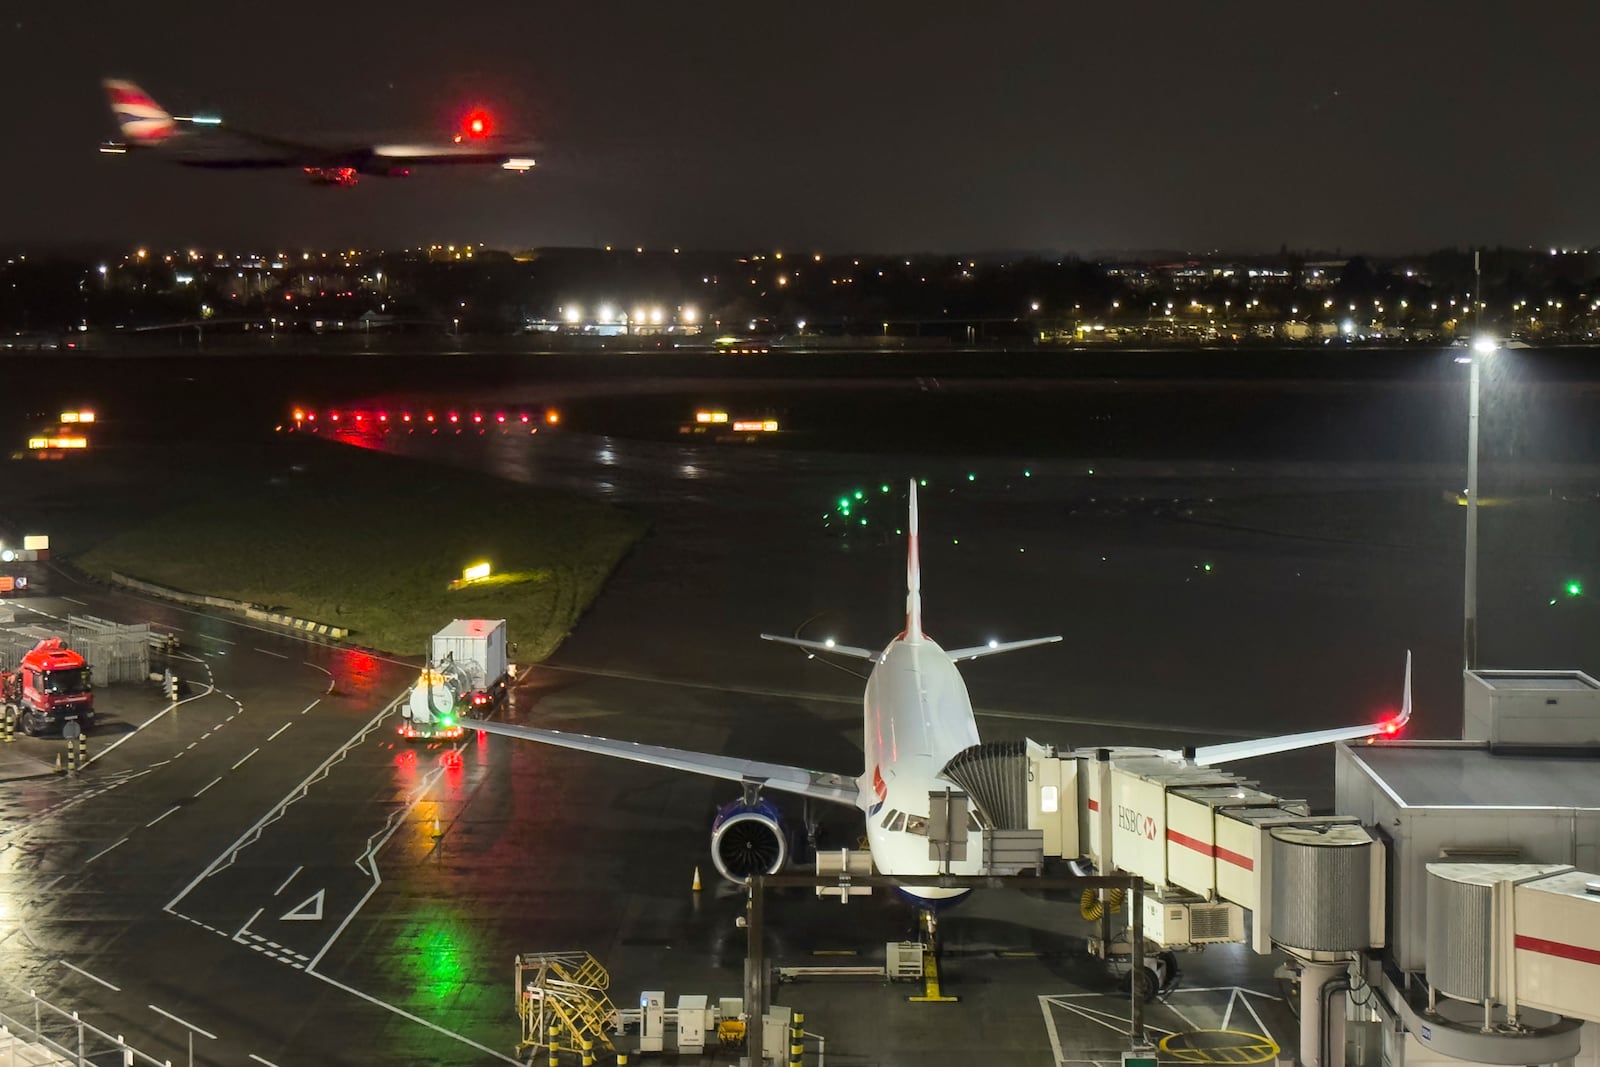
[467, 675]
[49, 688]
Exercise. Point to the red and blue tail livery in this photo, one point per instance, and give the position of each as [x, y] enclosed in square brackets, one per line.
[197, 141]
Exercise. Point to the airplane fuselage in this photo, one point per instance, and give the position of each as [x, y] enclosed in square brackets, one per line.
[917, 716]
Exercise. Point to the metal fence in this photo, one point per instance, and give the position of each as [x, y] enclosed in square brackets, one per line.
[37, 1033]
[115, 652]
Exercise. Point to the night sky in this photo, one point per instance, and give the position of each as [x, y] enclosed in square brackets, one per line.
[868, 126]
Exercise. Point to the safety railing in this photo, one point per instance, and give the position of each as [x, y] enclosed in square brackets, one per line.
[37, 1033]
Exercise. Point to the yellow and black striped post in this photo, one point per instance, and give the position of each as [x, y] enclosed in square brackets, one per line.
[588, 1052]
[10, 727]
[554, 1044]
[83, 751]
[797, 1038]
[622, 1059]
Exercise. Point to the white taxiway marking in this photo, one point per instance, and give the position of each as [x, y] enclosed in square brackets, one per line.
[258, 1059]
[269, 652]
[86, 974]
[208, 691]
[208, 785]
[280, 730]
[287, 880]
[163, 815]
[311, 705]
[252, 752]
[102, 852]
[247, 923]
[180, 1022]
[369, 998]
[80, 603]
[219, 640]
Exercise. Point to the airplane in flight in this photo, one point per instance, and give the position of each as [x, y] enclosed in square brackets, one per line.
[917, 719]
[205, 141]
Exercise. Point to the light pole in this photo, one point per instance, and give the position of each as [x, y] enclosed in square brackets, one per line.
[1483, 347]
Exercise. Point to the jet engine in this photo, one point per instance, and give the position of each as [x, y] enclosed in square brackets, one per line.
[748, 838]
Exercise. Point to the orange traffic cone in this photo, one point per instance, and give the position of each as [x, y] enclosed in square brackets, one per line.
[696, 886]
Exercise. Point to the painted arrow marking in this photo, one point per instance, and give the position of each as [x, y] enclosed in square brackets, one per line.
[309, 908]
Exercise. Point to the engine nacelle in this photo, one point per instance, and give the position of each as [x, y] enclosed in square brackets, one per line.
[748, 839]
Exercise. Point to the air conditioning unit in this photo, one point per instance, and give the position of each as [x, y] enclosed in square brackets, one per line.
[1180, 923]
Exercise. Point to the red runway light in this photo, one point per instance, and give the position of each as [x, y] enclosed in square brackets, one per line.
[501, 417]
[430, 416]
[454, 417]
[524, 417]
[476, 417]
[406, 417]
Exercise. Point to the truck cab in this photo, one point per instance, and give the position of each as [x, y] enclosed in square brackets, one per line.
[50, 688]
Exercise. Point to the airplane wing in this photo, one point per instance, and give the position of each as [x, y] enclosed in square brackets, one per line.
[1266, 746]
[817, 785]
[825, 646]
[997, 647]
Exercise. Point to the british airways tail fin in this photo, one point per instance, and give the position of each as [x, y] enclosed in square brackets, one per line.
[913, 576]
[141, 120]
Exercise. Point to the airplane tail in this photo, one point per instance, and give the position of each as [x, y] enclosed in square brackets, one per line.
[913, 576]
[141, 120]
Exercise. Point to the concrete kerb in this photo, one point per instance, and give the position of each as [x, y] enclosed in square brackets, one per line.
[249, 611]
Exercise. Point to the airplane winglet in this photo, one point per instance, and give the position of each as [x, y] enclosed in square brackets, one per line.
[913, 576]
[1210, 755]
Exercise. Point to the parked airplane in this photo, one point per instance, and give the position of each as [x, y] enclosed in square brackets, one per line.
[918, 719]
[202, 141]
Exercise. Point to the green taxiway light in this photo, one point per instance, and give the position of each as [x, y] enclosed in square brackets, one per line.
[971, 477]
[1574, 588]
[860, 495]
[1206, 567]
[1027, 474]
[884, 487]
[923, 482]
[844, 502]
[863, 522]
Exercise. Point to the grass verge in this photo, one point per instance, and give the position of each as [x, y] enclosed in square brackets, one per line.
[371, 542]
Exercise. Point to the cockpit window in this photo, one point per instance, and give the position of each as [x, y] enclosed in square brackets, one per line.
[917, 824]
[899, 821]
[888, 818]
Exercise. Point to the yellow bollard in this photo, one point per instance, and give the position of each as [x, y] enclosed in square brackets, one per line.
[622, 1059]
[83, 751]
[588, 1053]
[8, 728]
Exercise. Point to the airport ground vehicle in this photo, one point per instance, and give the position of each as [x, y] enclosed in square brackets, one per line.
[467, 674]
[49, 688]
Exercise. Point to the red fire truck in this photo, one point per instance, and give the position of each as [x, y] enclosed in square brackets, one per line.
[49, 689]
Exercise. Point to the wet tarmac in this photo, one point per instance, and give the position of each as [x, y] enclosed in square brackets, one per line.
[271, 866]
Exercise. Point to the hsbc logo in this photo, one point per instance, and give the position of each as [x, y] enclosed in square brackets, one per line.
[1136, 823]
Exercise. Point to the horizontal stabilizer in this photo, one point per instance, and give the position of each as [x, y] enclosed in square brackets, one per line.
[823, 646]
[817, 785]
[994, 648]
[1266, 746]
